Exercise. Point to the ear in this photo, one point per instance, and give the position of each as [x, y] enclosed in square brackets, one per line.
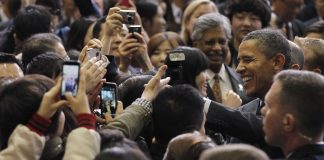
[288, 122]
[317, 70]
[295, 66]
[279, 62]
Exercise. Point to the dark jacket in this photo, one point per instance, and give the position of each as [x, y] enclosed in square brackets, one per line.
[244, 124]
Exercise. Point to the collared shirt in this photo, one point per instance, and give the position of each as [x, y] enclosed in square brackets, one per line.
[224, 80]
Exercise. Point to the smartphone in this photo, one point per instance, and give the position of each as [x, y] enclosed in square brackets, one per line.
[135, 28]
[94, 52]
[70, 78]
[125, 3]
[108, 97]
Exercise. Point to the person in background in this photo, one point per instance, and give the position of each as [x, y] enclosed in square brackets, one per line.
[193, 11]
[160, 45]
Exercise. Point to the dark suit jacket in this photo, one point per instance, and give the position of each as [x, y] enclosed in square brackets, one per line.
[244, 124]
[237, 85]
[308, 152]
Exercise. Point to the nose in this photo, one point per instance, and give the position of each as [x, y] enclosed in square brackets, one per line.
[246, 21]
[217, 47]
[118, 39]
[240, 68]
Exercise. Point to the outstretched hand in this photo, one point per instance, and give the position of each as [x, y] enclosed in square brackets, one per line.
[156, 84]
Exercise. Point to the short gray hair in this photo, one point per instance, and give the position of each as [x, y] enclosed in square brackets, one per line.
[208, 21]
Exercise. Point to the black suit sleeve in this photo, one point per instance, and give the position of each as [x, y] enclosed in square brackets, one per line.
[244, 125]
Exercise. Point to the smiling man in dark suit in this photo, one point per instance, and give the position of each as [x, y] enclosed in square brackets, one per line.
[262, 54]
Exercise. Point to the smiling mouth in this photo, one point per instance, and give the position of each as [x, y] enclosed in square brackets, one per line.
[246, 79]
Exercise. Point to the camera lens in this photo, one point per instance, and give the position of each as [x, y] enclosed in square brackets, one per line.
[130, 18]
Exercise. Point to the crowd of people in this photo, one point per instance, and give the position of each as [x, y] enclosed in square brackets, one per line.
[196, 79]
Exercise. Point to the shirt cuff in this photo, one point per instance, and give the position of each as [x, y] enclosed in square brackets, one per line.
[39, 124]
[87, 121]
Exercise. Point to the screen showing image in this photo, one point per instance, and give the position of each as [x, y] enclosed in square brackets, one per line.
[108, 100]
[70, 79]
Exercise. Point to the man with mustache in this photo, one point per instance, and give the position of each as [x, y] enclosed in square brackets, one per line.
[210, 34]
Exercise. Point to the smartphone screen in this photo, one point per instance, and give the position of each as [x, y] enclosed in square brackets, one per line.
[108, 96]
[70, 79]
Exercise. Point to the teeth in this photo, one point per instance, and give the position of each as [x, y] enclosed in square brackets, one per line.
[245, 79]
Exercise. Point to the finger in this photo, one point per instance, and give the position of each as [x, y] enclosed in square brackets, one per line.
[89, 63]
[113, 10]
[165, 81]
[53, 92]
[120, 108]
[59, 104]
[69, 97]
[160, 72]
[108, 117]
[82, 83]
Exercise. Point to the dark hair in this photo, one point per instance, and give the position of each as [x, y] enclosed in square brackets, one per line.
[302, 93]
[48, 64]
[147, 10]
[297, 55]
[9, 58]
[177, 110]
[53, 5]
[259, 8]
[114, 145]
[317, 27]
[21, 99]
[115, 138]
[156, 40]
[39, 44]
[188, 146]
[97, 27]
[13, 7]
[121, 153]
[132, 88]
[31, 20]
[78, 30]
[271, 42]
[234, 152]
[194, 63]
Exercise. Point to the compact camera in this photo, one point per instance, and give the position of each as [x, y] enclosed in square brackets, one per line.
[128, 16]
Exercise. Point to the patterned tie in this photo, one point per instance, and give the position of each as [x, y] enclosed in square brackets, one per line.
[217, 90]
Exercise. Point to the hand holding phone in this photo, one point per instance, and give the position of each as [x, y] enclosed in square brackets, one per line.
[70, 78]
[108, 97]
